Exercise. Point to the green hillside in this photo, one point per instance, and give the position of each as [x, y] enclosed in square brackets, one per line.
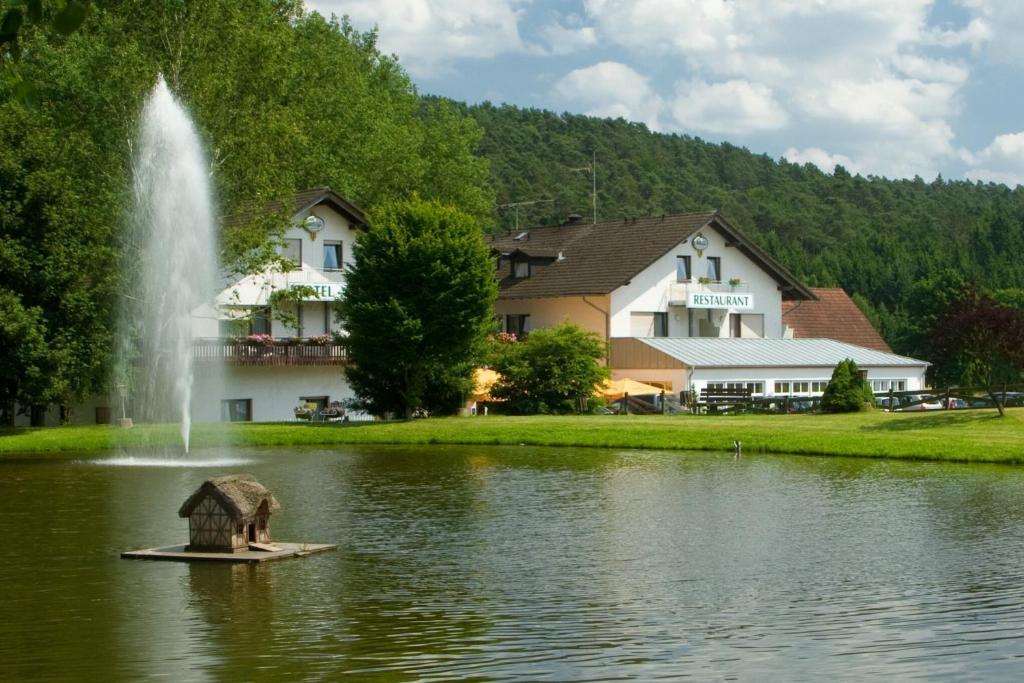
[894, 244]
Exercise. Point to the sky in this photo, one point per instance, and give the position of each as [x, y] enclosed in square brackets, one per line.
[893, 88]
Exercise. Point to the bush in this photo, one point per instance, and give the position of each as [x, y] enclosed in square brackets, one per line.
[846, 391]
[553, 370]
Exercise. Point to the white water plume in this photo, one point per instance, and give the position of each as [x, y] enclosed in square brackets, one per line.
[174, 256]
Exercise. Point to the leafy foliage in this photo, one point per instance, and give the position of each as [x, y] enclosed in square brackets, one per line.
[417, 307]
[978, 341]
[846, 391]
[551, 371]
[284, 100]
[25, 376]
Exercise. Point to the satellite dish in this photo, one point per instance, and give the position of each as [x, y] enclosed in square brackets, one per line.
[313, 224]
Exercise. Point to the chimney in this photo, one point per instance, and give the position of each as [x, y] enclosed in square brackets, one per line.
[572, 219]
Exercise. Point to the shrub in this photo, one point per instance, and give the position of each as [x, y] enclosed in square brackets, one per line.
[552, 370]
[846, 391]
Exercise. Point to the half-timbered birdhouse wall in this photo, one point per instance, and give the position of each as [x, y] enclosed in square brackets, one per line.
[227, 513]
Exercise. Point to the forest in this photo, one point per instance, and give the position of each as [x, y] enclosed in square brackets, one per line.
[901, 248]
[287, 100]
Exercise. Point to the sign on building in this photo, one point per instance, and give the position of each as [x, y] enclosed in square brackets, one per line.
[737, 302]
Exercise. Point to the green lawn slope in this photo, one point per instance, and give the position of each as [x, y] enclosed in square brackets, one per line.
[971, 436]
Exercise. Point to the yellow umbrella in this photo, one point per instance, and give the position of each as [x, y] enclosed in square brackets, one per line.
[483, 380]
[617, 388]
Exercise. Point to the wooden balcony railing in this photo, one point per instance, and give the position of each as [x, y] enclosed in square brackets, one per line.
[276, 353]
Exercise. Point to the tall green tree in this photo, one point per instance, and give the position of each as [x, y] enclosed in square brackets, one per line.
[417, 307]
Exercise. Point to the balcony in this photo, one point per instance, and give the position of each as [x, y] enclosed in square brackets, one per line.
[272, 353]
[679, 291]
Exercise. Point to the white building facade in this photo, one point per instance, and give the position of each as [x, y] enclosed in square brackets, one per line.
[686, 302]
[270, 343]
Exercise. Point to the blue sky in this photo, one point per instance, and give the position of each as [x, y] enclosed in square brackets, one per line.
[884, 87]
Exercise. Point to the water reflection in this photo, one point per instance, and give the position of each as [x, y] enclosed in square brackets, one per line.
[526, 564]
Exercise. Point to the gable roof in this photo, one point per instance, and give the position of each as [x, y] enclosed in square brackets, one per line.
[833, 315]
[240, 494]
[598, 258]
[300, 203]
[734, 352]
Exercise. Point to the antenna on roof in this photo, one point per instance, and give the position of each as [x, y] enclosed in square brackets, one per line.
[516, 205]
[591, 168]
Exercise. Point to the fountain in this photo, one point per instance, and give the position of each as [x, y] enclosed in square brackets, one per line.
[172, 257]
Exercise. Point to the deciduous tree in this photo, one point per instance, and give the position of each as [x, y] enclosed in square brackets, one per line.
[417, 307]
[979, 342]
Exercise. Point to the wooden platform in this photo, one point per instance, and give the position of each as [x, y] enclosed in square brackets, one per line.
[177, 553]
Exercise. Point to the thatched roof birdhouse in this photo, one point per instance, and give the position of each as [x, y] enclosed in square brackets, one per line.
[228, 513]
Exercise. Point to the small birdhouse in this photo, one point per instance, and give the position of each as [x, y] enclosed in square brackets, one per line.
[228, 513]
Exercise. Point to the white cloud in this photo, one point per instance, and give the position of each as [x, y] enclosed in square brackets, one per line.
[735, 106]
[997, 26]
[611, 89]
[429, 34]
[822, 159]
[861, 73]
[562, 40]
[1000, 162]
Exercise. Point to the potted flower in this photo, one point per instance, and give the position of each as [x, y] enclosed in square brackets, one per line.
[735, 282]
[704, 280]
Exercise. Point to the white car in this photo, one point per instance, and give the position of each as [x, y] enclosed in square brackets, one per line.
[918, 403]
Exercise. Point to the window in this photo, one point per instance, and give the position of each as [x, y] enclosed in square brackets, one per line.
[291, 251]
[260, 322]
[520, 269]
[715, 268]
[754, 387]
[236, 410]
[818, 387]
[735, 326]
[332, 256]
[682, 268]
[661, 324]
[793, 387]
[879, 385]
[517, 324]
[327, 318]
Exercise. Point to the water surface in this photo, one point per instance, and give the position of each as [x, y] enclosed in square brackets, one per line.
[520, 563]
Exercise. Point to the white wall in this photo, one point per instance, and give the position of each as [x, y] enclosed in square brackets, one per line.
[701, 376]
[650, 290]
[255, 290]
[553, 311]
[274, 391]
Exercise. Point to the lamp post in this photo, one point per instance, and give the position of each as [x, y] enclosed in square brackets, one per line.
[124, 421]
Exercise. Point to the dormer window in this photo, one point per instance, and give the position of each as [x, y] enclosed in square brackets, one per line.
[520, 269]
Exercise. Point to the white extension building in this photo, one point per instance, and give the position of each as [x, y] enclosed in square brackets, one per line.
[688, 302]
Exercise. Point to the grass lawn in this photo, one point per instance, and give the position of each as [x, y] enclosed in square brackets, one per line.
[976, 435]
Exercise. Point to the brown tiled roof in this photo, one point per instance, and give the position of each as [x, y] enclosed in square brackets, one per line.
[833, 316]
[303, 201]
[598, 258]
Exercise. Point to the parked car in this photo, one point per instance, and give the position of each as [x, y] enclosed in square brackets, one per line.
[913, 402]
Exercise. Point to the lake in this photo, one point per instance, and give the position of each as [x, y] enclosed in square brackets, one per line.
[519, 563]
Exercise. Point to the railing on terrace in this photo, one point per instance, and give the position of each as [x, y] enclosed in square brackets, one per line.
[276, 352]
[678, 291]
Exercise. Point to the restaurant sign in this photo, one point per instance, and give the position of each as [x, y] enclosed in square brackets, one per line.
[737, 302]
